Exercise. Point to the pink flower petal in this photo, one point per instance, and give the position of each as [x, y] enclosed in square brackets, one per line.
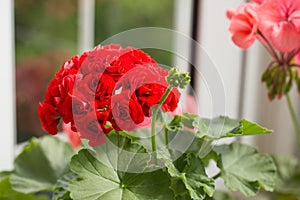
[191, 105]
[280, 22]
[243, 26]
[74, 137]
[230, 13]
[258, 1]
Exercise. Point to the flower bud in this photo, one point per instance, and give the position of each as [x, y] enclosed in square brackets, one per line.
[177, 79]
[279, 80]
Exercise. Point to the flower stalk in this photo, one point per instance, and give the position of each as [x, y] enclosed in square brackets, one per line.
[167, 138]
[174, 79]
[294, 119]
[153, 123]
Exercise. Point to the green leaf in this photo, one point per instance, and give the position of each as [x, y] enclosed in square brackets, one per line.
[189, 180]
[288, 175]
[41, 164]
[212, 155]
[121, 153]
[61, 191]
[7, 193]
[175, 124]
[216, 128]
[101, 182]
[220, 195]
[4, 174]
[244, 169]
[208, 130]
[189, 119]
[221, 127]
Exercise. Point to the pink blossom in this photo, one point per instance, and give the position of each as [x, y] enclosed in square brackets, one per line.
[146, 123]
[280, 23]
[243, 26]
[191, 105]
[74, 137]
[230, 13]
[177, 111]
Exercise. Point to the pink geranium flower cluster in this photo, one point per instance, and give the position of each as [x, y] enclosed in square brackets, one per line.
[276, 24]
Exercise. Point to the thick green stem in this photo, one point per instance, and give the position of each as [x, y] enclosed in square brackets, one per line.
[153, 127]
[294, 119]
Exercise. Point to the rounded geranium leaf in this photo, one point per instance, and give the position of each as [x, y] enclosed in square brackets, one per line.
[7, 193]
[244, 169]
[41, 164]
[109, 184]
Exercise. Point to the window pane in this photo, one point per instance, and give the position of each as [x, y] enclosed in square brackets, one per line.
[46, 35]
[114, 16]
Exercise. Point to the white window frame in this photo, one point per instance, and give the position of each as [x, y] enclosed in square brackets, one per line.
[7, 86]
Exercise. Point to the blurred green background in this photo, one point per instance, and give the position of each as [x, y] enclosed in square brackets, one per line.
[46, 34]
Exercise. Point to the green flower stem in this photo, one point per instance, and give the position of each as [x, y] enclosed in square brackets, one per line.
[294, 119]
[167, 137]
[217, 175]
[153, 132]
[269, 47]
[205, 148]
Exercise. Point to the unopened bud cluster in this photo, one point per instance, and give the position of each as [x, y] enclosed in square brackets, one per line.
[279, 80]
[177, 79]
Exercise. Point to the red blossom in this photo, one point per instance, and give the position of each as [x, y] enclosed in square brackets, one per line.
[103, 89]
[90, 128]
[70, 66]
[128, 60]
[142, 75]
[171, 103]
[88, 85]
[126, 113]
[49, 117]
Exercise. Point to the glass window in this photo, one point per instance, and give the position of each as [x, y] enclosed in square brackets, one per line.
[114, 16]
[47, 35]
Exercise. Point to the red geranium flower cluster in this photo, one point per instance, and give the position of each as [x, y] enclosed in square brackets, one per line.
[104, 89]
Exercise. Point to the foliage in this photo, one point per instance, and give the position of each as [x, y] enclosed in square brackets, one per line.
[7, 192]
[40, 164]
[288, 178]
[243, 169]
[258, 20]
[110, 167]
